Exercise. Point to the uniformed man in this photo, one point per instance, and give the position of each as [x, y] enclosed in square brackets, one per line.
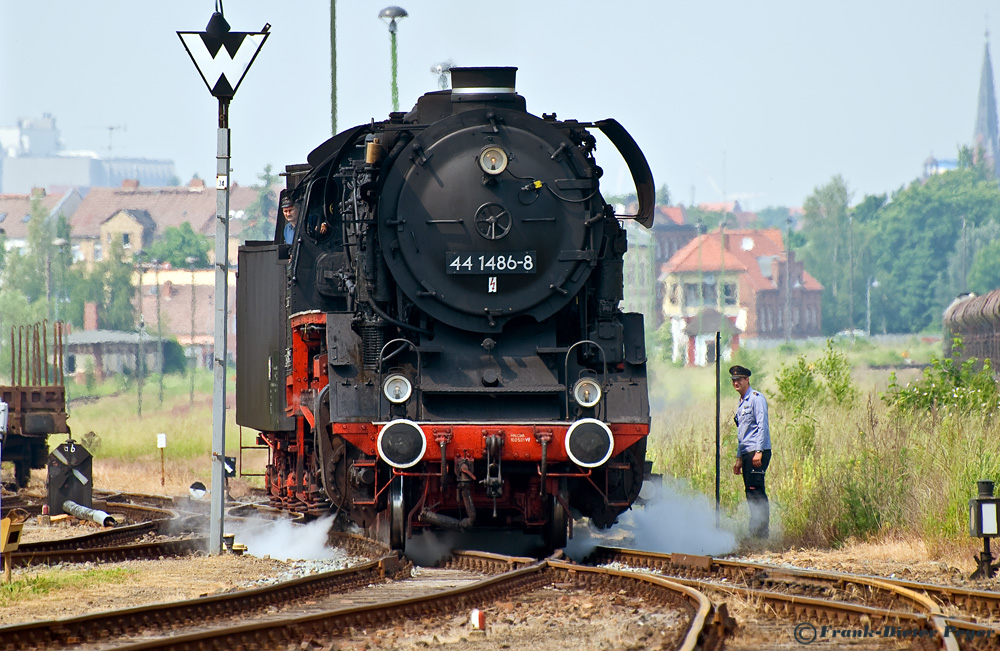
[290, 211]
[753, 452]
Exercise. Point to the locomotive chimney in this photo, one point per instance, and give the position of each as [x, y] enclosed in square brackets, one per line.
[483, 81]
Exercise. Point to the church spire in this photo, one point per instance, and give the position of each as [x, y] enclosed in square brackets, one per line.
[987, 134]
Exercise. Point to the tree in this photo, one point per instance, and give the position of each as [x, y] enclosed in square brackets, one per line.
[39, 270]
[773, 217]
[663, 195]
[108, 284]
[915, 236]
[826, 254]
[261, 215]
[114, 275]
[984, 275]
[178, 243]
[967, 246]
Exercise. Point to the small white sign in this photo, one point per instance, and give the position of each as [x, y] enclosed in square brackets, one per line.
[221, 182]
[161, 440]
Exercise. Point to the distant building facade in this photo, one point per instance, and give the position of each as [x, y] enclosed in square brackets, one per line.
[15, 212]
[639, 273]
[32, 156]
[743, 275]
[127, 213]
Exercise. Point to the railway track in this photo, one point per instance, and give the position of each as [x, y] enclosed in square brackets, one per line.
[383, 593]
[152, 516]
[935, 617]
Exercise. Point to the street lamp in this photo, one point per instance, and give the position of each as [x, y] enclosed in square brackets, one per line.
[191, 260]
[60, 243]
[140, 366]
[391, 14]
[872, 282]
[159, 325]
[443, 72]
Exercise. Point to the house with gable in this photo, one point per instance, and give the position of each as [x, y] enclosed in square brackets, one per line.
[108, 214]
[749, 278]
[135, 228]
[15, 212]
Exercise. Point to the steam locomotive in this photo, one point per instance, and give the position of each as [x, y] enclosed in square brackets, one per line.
[440, 345]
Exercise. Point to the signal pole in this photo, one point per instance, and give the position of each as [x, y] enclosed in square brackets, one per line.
[222, 73]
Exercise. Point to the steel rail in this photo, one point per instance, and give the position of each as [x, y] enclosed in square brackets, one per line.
[77, 630]
[699, 634]
[142, 551]
[979, 603]
[293, 630]
[929, 610]
[280, 633]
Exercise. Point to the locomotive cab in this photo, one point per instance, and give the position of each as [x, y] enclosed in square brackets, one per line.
[449, 352]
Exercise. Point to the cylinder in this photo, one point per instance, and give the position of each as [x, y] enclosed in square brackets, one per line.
[374, 151]
[82, 512]
[985, 488]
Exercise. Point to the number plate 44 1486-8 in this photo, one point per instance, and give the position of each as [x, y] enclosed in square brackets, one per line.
[509, 262]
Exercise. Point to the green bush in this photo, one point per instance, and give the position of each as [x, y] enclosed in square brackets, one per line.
[804, 384]
[949, 385]
[174, 359]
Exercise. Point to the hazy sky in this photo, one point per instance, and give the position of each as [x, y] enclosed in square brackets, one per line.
[760, 101]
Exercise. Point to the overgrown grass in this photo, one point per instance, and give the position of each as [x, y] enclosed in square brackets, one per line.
[847, 464]
[47, 581]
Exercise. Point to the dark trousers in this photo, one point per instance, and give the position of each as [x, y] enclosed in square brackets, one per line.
[753, 482]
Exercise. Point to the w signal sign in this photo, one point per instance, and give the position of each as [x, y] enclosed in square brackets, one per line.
[223, 59]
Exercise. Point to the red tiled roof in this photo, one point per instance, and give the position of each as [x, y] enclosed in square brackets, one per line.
[743, 251]
[673, 213]
[168, 207]
[16, 206]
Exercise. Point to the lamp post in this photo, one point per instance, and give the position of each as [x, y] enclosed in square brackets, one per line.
[443, 72]
[223, 72]
[159, 325]
[140, 362]
[140, 365]
[872, 282]
[60, 243]
[191, 260]
[391, 14]
[788, 279]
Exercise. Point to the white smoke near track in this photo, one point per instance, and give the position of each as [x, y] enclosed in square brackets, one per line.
[282, 540]
[671, 520]
[429, 548]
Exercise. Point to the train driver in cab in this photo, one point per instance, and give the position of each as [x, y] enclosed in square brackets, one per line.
[290, 211]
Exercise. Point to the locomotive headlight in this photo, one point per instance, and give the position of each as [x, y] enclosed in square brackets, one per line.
[587, 392]
[401, 443]
[397, 389]
[493, 160]
[589, 443]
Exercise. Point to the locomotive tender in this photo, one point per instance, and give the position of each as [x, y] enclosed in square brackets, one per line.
[440, 345]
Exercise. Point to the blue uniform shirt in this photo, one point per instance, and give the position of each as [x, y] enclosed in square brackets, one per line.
[289, 233]
[751, 420]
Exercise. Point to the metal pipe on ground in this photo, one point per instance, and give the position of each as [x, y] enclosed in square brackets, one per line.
[94, 515]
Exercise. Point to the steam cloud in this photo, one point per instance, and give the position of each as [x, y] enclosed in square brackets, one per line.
[671, 520]
[282, 540]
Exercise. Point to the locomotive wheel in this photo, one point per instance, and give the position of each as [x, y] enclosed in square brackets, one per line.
[397, 514]
[557, 525]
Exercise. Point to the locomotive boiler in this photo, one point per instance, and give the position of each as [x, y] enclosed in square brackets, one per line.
[438, 344]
